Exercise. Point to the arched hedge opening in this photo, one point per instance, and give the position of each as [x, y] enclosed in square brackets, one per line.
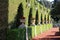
[48, 19]
[18, 16]
[36, 17]
[29, 17]
[41, 19]
[45, 19]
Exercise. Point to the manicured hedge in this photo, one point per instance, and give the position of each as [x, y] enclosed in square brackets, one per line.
[20, 34]
[16, 34]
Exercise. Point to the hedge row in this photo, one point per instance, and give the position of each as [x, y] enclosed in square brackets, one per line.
[25, 10]
[20, 34]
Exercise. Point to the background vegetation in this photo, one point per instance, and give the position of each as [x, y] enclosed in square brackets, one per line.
[15, 12]
[27, 8]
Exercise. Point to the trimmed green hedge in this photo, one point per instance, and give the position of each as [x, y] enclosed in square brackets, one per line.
[14, 4]
[20, 34]
[16, 34]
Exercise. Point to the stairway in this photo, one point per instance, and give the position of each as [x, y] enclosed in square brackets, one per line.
[52, 34]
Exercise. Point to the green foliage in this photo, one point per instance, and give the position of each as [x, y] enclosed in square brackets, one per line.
[14, 6]
[57, 8]
[20, 34]
[56, 11]
[16, 34]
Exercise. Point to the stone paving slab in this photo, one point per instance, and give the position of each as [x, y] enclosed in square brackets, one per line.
[48, 35]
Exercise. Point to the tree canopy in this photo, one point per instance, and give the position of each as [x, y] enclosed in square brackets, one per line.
[55, 12]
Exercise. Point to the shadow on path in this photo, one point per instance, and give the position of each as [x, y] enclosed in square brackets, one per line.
[53, 34]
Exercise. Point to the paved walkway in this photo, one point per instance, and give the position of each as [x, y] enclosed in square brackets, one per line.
[52, 34]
